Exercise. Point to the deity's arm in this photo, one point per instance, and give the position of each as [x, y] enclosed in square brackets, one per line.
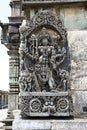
[61, 56]
[30, 56]
[61, 61]
[43, 80]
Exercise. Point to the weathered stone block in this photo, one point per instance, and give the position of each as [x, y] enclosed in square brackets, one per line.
[12, 102]
[74, 18]
[77, 41]
[19, 124]
[79, 103]
[77, 124]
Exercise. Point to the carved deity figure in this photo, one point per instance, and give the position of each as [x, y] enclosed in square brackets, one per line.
[42, 57]
[64, 79]
[44, 79]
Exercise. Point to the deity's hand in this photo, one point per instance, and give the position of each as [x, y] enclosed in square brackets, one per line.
[36, 58]
[25, 50]
[53, 56]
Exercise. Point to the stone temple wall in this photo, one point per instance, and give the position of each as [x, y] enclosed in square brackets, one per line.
[77, 41]
[74, 17]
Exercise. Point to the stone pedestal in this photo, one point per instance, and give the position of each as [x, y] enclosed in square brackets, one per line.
[49, 124]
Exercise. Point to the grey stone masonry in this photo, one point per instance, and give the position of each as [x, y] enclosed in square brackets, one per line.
[78, 54]
[76, 124]
[73, 16]
[51, 1]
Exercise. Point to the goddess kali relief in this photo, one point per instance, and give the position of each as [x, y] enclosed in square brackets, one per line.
[41, 58]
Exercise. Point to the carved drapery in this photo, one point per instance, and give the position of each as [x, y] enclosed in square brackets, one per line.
[44, 82]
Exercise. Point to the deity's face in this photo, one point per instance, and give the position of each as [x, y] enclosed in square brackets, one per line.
[45, 41]
[29, 79]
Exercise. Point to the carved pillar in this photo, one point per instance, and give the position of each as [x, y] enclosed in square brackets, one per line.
[5, 100]
[2, 101]
[32, 13]
[13, 81]
[13, 44]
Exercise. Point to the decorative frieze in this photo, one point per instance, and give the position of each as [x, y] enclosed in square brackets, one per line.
[46, 104]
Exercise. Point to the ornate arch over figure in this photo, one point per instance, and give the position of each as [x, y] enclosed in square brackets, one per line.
[44, 18]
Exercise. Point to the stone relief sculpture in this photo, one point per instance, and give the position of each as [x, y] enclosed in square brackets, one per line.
[44, 83]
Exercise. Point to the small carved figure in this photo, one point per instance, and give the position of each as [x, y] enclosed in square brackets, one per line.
[23, 83]
[64, 79]
[49, 107]
[29, 84]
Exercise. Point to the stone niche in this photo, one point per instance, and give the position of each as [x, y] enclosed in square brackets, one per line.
[44, 67]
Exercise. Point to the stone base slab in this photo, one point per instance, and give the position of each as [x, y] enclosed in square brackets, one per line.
[49, 124]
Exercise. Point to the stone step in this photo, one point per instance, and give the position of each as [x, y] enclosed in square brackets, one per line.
[7, 128]
[8, 122]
